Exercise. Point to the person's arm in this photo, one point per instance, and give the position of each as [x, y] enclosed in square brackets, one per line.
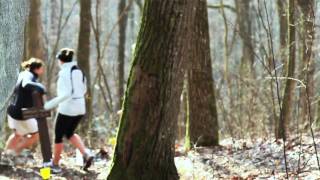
[64, 92]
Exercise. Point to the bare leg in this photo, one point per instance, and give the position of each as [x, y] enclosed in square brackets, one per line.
[76, 141]
[58, 148]
[13, 141]
[27, 142]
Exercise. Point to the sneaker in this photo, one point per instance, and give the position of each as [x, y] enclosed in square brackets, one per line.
[87, 160]
[55, 169]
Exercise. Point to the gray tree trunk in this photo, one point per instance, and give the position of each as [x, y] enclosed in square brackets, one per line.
[12, 22]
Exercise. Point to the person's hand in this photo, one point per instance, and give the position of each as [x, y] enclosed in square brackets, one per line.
[46, 106]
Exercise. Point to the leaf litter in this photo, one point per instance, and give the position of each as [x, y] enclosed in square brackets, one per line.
[234, 159]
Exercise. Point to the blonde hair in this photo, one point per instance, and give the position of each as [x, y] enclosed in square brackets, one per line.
[32, 63]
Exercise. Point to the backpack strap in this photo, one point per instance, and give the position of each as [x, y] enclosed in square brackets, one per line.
[75, 67]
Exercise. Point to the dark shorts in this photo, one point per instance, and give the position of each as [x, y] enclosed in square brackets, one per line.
[65, 126]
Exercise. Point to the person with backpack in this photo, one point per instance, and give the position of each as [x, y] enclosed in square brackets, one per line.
[25, 130]
[70, 100]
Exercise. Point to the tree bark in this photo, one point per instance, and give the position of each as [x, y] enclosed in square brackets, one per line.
[283, 28]
[83, 55]
[283, 25]
[307, 67]
[246, 69]
[34, 32]
[245, 32]
[121, 50]
[203, 118]
[12, 19]
[145, 141]
[287, 102]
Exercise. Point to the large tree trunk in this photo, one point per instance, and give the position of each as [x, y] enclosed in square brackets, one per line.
[34, 33]
[12, 20]
[286, 111]
[145, 141]
[307, 66]
[84, 55]
[123, 15]
[203, 119]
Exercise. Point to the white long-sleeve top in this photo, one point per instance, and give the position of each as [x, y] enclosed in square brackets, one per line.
[69, 103]
[26, 77]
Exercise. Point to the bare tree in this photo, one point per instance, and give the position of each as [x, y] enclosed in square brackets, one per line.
[290, 84]
[145, 141]
[202, 125]
[34, 46]
[307, 67]
[283, 27]
[84, 55]
[245, 32]
[123, 18]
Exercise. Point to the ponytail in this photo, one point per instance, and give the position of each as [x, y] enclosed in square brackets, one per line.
[25, 65]
[32, 64]
[65, 55]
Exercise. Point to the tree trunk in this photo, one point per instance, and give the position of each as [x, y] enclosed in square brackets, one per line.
[12, 20]
[307, 67]
[203, 117]
[34, 33]
[286, 112]
[123, 14]
[84, 55]
[246, 69]
[283, 25]
[145, 141]
[283, 28]
[245, 32]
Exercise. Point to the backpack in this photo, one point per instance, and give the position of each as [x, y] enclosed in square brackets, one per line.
[75, 67]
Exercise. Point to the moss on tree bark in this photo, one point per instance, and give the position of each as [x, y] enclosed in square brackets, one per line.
[145, 141]
[202, 121]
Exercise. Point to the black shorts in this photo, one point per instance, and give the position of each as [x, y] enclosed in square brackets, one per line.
[65, 126]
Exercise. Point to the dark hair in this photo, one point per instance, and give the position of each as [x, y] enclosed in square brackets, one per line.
[32, 64]
[65, 55]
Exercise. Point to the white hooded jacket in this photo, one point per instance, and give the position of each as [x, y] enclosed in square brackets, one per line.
[70, 99]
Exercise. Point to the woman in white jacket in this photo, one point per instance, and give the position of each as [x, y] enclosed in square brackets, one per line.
[71, 89]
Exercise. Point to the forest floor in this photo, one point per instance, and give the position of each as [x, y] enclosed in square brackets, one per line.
[234, 159]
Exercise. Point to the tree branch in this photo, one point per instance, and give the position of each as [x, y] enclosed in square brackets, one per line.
[220, 6]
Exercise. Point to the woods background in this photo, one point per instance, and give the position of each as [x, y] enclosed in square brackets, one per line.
[253, 52]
